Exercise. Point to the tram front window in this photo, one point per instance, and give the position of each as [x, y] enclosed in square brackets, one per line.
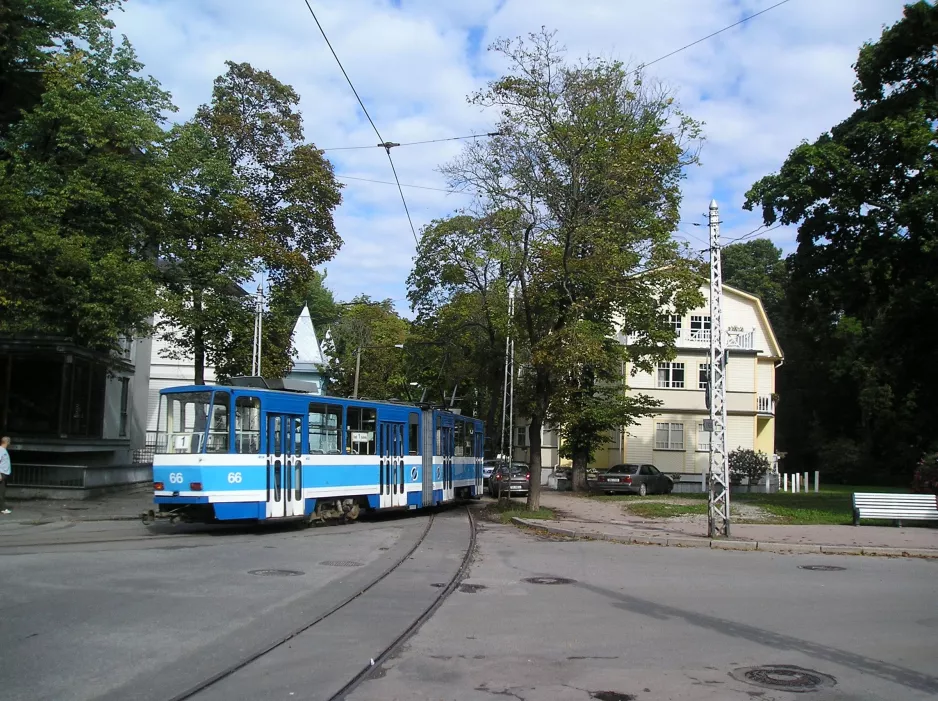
[181, 422]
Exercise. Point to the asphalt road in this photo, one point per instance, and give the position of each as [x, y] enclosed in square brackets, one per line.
[656, 624]
[118, 613]
[149, 617]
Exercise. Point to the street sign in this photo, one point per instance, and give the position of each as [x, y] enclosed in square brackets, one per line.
[708, 424]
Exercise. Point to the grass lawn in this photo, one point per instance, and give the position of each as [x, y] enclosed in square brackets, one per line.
[833, 505]
[505, 511]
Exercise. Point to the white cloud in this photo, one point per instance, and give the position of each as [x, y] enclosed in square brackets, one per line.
[761, 88]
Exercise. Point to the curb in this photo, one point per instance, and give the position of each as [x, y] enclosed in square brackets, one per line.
[747, 545]
[27, 521]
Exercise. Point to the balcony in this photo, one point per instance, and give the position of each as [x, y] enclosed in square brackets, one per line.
[765, 405]
[700, 338]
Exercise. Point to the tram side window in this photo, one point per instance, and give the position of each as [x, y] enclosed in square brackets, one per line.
[218, 426]
[325, 429]
[470, 440]
[360, 439]
[413, 434]
[247, 425]
[459, 439]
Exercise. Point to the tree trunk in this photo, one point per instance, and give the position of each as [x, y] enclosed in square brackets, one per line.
[534, 436]
[580, 459]
[198, 342]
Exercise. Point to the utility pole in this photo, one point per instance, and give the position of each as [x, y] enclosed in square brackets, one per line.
[258, 331]
[719, 498]
[358, 363]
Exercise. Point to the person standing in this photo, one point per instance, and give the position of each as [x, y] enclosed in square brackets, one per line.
[5, 470]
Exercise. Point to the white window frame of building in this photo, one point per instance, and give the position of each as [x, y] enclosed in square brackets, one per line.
[703, 375]
[674, 430]
[698, 325]
[666, 375]
[521, 436]
[703, 439]
[675, 321]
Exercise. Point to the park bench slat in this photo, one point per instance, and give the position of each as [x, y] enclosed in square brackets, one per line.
[898, 507]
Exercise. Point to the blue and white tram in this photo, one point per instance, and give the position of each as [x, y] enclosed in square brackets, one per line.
[246, 452]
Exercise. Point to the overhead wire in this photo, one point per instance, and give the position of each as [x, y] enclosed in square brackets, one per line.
[709, 36]
[384, 143]
[412, 143]
[419, 187]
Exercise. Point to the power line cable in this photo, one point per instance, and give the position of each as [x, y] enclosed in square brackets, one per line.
[385, 144]
[420, 187]
[413, 143]
[694, 43]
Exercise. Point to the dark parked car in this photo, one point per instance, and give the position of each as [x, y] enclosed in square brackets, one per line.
[634, 479]
[487, 467]
[516, 485]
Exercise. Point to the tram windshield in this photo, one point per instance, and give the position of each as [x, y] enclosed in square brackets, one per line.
[183, 419]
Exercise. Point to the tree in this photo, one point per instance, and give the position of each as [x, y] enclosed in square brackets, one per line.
[82, 190]
[749, 464]
[863, 290]
[32, 32]
[581, 192]
[282, 225]
[757, 267]
[460, 295]
[373, 329]
[208, 255]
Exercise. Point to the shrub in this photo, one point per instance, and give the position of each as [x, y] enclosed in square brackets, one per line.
[925, 479]
[748, 463]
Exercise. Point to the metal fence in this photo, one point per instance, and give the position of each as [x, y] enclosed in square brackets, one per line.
[61, 476]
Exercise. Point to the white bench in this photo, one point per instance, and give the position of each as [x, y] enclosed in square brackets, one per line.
[895, 507]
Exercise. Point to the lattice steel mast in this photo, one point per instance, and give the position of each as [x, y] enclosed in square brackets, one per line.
[719, 501]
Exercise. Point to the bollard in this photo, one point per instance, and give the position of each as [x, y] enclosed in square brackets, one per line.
[797, 483]
[785, 482]
[817, 481]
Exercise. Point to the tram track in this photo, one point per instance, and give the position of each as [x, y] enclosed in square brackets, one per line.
[207, 685]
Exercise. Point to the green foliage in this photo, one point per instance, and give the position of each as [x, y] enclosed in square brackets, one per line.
[206, 254]
[757, 267]
[31, 33]
[376, 329]
[749, 464]
[862, 279]
[260, 199]
[81, 195]
[925, 479]
[579, 195]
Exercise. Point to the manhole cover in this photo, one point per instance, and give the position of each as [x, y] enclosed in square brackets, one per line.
[548, 580]
[276, 573]
[471, 588]
[341, 563]
[784, 678]
[822, 568]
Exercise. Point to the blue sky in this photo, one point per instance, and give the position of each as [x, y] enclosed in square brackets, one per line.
[760, 89]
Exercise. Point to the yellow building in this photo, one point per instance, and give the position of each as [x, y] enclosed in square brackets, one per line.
[673, 439]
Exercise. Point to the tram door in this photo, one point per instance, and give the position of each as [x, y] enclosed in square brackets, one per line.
[284, 465]
[479, 450]
[447, 449]
[391, 452]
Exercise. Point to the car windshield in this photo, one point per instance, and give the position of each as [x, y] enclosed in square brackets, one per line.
[519, 470]
[623, 469]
